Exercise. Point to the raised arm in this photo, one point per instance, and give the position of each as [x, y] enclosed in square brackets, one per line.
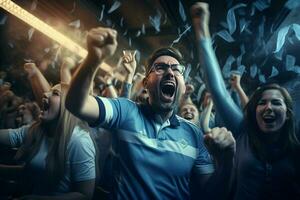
[38, 82]
[219, 141]
[65, 70]
[235, 81]
[129, 63]
[101, 43]
[206, 117]
[224, 104]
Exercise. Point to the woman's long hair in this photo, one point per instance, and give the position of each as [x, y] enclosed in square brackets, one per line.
[288, 139]
[57, 154]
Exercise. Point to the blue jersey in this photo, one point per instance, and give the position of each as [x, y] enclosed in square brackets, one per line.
[152, 160]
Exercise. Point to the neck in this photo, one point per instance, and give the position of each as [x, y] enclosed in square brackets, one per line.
[165, 115]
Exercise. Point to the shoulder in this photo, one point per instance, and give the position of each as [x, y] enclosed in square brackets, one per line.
[80, 139]
[188, 125]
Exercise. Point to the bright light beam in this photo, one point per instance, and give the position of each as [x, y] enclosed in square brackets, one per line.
[41, 26]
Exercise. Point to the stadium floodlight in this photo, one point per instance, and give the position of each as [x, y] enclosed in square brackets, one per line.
[46, 29]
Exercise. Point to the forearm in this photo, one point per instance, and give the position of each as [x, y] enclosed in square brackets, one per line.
[205, 122]
[224, 104]
[243, 97]
[65, 76]
[80, 85]
[126, 90]
[112, 93]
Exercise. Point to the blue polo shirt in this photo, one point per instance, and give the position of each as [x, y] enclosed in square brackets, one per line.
[152, 160]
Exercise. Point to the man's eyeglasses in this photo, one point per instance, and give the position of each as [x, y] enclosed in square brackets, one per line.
[161, 68]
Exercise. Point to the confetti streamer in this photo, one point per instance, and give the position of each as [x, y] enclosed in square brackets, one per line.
[33, 5]
[114, 7]
[289, 62]
[102, 13]
[30, 33]
[155, 21]
[262, 78]
[3, 20]
[281, 38]
[225, 36]
[138, 33]
[274, 72]
[180, 35]
[227, 67]
[187, 71]
[292, 4]
[181, 11]
[253, 70]
[143, 29]
[74, 7]
[261, 5]
[231, 20]
[75, 24]
[122, 21]
[242, 69]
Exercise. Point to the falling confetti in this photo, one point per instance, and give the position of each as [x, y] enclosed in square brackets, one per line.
[227, 67]
[114, 7]
[225, 36]
[75, 24]
[30, 33]
[181, 11]
[33, 5]
[274, 72]
[102, 13]
[292, 4]
[253, 70]
[155, 21]
[3, 20]
[180, 35]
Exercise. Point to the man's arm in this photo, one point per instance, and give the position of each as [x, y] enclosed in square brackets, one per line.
[101, 43]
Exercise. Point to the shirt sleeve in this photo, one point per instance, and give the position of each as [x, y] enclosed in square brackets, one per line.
[82, 156]
[115, 113]
[17, 136]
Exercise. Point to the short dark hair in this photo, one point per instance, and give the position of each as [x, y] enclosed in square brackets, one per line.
[165, 51]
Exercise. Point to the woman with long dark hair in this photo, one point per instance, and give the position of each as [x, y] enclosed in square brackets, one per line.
[57, 151]
[266, 164]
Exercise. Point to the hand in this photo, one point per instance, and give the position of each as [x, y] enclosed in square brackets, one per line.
[200, 16]
[129, 62]
[189, 89]
[31, 69]
[235, 81]
[220, 144]
[101, 43]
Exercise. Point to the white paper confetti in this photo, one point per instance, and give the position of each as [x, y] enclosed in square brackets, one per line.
[253, 70]
[75, 24]
[225, 36]
[289, 62]
[261, 5]
[262, 78]
[3, 20]
[181, 11]
[274, 72]
[102, 13]
[227, 67]
[281, 38]
[292, 4]
[30, 33]
[143, 29]
[155, 21]
[122, 22]
[180, 35]
[33, 5]
[114, 7]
